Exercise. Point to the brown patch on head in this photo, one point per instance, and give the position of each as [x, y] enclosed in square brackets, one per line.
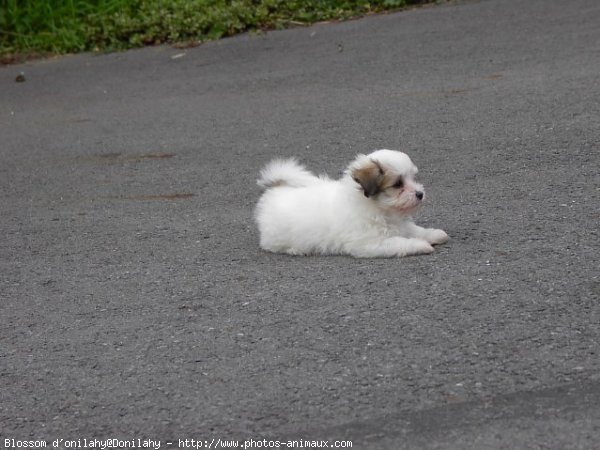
[374, 179]
[371, 178]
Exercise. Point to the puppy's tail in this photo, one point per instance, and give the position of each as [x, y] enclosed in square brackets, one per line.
[285, 172]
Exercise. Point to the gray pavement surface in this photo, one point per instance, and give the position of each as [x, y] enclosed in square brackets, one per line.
[135, 302]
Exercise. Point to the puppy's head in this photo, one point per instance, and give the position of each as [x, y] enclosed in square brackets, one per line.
[388, 178]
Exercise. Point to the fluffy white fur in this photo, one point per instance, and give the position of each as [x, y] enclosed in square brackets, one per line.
[366, 213]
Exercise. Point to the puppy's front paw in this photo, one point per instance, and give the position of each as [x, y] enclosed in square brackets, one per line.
[417, 247]
[436, 237]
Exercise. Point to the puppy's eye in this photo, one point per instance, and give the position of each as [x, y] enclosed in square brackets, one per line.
[399, 183]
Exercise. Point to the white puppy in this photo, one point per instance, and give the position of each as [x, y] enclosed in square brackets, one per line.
[366, 213]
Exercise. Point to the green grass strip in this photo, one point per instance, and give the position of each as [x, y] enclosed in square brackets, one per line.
[54, 27]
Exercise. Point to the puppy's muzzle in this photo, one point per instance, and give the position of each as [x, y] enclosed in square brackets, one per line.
[419, 195]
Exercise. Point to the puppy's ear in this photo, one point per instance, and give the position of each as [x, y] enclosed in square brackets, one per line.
[370, 177]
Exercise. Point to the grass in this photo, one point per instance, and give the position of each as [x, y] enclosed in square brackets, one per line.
[42, 27]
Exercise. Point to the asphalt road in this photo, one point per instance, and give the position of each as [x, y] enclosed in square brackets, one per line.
[136, 303]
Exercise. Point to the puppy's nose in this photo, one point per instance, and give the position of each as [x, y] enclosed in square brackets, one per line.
[419, 195]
